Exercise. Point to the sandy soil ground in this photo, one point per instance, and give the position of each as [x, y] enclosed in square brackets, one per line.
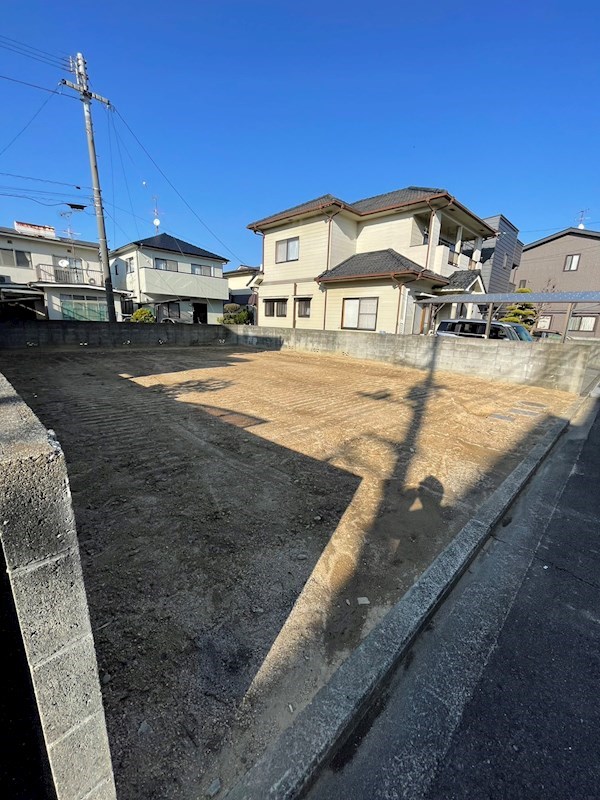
[245, 518]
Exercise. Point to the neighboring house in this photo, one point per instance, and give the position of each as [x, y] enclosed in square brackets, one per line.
[43, 275]
[333, 265]
[174, 279]
[500, 255]
[241, 284]
[567, 261]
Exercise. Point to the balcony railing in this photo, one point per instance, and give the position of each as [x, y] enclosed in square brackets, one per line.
[50, 273]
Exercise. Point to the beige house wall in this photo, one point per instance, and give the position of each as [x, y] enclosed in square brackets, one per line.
[343, 239]
[387, 306]
[312, 254]
[379, 234]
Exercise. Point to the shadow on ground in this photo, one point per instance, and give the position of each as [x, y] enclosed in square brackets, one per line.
[229, 575]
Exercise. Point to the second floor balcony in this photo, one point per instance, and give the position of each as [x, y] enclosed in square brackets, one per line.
[53, 273]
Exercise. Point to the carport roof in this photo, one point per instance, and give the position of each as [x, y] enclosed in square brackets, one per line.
[516, 297]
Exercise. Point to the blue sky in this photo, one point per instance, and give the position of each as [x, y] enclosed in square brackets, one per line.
[250, 107]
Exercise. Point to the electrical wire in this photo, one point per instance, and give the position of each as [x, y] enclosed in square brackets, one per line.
[33, 199]
[112, 168]
[24, 128]
[41, 88]
[43, 180]
[24, 50]
[177, 192]
[43, 192]
[117, 140]
[35, 49]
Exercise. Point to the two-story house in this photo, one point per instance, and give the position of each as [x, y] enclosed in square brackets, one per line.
[333, 265]
[567, 261]
[175, 279]
[43, 275]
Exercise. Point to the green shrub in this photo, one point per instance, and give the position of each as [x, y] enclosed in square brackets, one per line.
[240, 318]
[231, 308]
[142, 315]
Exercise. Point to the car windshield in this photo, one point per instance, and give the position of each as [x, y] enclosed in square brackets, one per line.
[523, 333]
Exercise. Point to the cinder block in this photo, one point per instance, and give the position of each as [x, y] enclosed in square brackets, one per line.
[37, 515]
[67, 688]
[51, 605]
[80, 761]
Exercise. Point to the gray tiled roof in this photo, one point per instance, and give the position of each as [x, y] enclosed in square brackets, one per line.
[377, 262]
[163, 241]
[311, 205]
[411, 194]
[462, 279]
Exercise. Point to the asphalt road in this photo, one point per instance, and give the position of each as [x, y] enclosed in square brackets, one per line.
[499, 698]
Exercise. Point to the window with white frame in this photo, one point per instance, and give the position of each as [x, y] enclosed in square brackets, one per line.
[523, 284]
[269, 308]
[543, 323]
[586, 324]
[166, 264]
[303, 307]
[572, 262]
[129, 267]
[287, 250]
[83, 307]
[15, 258]
[360, 313]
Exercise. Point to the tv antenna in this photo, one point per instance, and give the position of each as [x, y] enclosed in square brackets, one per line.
[156, 220]
[582, 218]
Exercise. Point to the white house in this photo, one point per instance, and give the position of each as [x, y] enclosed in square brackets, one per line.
[43, 275]
[331, 265]
[173, 278]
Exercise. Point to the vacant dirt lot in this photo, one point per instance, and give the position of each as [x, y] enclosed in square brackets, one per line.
[245, 518]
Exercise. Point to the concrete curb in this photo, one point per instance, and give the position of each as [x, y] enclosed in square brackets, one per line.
[291, 764]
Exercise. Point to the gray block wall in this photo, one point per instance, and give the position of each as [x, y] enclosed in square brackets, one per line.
[39, 540]
[61, 333]
[570, 367]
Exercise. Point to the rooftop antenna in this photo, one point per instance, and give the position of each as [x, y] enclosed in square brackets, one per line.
[582, 218]
[68, 230]
[156, 220]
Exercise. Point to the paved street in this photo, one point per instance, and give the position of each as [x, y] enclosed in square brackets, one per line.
[499, 698]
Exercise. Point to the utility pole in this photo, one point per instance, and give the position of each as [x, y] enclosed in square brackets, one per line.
[78, 66]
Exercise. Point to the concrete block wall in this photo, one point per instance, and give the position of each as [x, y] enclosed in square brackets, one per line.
[571, 366]
[61, 333]
[41, 552]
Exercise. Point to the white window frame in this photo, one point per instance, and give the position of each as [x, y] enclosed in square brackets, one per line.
[544, 322]
[570, 260]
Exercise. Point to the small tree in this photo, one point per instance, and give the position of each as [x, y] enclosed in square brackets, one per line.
[522, 313]
[142, 315]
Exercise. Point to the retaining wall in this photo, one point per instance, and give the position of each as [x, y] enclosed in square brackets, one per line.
[39, 542]
[572, 366]
[61, 333]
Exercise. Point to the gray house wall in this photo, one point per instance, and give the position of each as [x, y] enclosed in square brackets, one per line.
[495, 268]
[542, 267]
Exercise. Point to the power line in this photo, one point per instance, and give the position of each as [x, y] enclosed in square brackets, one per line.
[37, 86]
[117, 140]
[24, 128]
[25, 50]
[43, 180]
[177, 192]
[35, 49]
[33, 199]
[42, 191]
